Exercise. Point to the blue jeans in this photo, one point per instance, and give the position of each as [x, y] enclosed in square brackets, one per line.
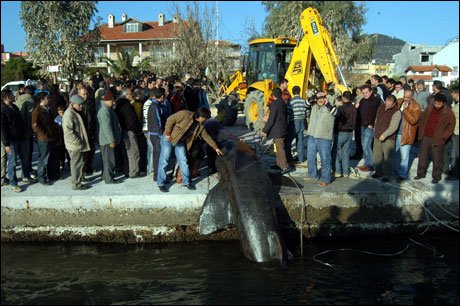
[401, 159]
[181, 156]
[342, 162]
[367, 135]
[149, 153]
[44, 150]
[323, 147]
[19, 149]
[299, 128]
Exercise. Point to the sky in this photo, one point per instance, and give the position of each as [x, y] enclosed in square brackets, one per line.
[430, 22]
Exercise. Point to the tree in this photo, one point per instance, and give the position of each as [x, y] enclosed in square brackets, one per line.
[18, 69]
[343, 19]
[57, 33]
[195, 49]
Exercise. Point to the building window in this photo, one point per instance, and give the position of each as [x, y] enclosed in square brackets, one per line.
[128, 49]
[425, 58]
[132, 27]
[160, 52]
[99, 54]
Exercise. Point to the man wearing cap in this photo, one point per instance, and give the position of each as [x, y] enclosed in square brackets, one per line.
[108, 135]
[76, 140]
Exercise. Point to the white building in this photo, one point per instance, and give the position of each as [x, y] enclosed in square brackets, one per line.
[447, 56]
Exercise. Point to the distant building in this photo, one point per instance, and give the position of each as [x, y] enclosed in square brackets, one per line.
[447, 56]
[414, 55]
[148, 38]
[428, 73]
[155, 38]
[6, 56]
[371, 69]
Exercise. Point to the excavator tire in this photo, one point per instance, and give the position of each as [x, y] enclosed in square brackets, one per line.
[227, 110]
[254, 110]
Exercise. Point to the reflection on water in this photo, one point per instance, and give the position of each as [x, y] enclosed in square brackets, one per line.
[219, 273]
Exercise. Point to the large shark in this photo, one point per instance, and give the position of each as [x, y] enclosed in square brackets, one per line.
[243, 197]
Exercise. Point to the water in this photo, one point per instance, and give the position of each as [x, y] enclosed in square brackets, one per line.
[218, 273]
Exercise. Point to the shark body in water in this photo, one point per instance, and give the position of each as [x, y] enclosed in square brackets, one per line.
[244, 197]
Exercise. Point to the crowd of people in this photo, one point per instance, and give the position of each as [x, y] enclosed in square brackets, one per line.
[138, 124]
[391, 122]
[135, 124]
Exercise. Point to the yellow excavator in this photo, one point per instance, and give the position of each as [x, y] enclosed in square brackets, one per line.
[269, 57]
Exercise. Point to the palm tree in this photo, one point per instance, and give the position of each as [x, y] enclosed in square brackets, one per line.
[124, 64]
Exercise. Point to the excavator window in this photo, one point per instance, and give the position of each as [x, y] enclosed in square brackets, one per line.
[268, 61]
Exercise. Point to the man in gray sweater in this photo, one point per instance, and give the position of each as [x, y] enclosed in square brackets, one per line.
[320, 135]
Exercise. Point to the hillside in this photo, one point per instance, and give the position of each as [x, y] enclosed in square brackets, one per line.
[384, 47]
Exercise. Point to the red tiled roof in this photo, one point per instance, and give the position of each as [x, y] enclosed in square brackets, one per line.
[150, 31]
[441, 68]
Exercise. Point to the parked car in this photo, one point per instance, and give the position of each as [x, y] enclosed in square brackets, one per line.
[14, 85]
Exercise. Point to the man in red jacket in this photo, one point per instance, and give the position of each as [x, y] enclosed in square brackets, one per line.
[436, 126]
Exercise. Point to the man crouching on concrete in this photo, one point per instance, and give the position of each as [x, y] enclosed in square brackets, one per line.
[181, 130]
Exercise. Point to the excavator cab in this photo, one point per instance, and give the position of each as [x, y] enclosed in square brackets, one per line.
[269, 59]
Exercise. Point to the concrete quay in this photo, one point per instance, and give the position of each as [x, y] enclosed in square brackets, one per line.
[135, 211]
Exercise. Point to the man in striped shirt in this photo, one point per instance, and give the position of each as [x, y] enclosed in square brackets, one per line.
[299, 112]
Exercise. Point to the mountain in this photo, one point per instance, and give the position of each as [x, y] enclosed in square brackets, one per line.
[384, 47]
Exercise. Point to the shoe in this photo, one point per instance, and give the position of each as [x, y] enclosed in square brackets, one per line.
[309, 179]
[322, 184]
[400, 179]
[190, 187]
[84, 179]
[16, 188]
[80, 187]
[45, 183]
[286, 170]
[418, 177]
[163, 188]
[337, 175]
[33, 174]
[385, 180]
[451, 178]
[29, 180]
[136, 176]
[142, 174]
[376, 176]
[113, 182]
[5, 182]
[435, 181]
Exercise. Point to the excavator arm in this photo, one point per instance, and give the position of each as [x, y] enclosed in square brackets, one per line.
[314, 47]
[237, 81]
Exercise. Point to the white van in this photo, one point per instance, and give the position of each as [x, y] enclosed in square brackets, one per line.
[13, 86]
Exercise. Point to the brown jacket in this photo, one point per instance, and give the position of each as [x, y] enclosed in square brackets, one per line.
[445, 128]
[43, 124]
[411, 115]
[178, 124]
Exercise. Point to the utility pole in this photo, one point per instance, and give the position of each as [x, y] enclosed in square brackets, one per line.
[217, 39]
